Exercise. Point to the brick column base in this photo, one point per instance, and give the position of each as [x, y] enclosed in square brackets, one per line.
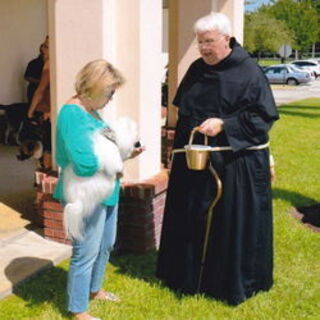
[140, 212]
[49, 210]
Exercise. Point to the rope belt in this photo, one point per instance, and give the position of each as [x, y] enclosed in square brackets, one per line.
[227, 148]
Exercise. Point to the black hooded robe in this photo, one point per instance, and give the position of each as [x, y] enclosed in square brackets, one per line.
[239, 259]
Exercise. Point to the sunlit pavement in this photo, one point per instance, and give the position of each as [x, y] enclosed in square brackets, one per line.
[23, 252]
[286, 94]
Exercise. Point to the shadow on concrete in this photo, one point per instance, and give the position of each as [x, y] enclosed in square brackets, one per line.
[46, 285]
[17, 183]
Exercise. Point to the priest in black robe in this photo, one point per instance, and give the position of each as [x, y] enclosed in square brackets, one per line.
[226, 94]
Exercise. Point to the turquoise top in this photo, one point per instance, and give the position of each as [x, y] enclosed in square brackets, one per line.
[74, 146]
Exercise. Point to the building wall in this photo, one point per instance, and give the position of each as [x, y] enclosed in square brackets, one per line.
[23, 26]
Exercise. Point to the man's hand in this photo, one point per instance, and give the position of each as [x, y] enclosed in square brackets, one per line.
[211, 127]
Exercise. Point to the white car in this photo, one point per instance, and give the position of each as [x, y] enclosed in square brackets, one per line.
[310, 65]
[287, 74]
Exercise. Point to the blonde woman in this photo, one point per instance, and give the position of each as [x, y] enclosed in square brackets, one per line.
[78, 119]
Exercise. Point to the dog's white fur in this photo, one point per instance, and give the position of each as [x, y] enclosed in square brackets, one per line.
[83, 194]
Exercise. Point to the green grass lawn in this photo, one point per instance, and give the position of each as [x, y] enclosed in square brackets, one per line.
[295, 143]
[270, 62]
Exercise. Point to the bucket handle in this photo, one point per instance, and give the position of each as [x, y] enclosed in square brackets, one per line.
[194, 130]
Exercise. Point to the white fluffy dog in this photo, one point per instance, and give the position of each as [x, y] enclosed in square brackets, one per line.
[83, 194]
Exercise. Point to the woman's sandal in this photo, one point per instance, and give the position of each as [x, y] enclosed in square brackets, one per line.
[89, 318]
[108, 296]
[111, 297]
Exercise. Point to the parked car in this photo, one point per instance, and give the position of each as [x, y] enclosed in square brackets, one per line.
[287, 74]
[310, 65]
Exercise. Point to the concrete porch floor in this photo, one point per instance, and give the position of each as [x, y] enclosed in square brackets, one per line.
[23, 251]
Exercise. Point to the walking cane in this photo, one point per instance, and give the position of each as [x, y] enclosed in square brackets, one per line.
[197, 157]
[209, 220]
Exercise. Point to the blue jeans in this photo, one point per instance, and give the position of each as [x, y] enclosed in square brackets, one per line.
[90, 256]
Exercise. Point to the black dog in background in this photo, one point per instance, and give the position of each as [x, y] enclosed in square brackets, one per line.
[14, 116]
[32, 135]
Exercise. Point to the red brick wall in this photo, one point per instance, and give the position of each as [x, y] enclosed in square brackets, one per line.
[140, 212]
[50, 212]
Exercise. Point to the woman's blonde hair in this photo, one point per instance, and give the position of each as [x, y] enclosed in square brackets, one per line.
[97, 78]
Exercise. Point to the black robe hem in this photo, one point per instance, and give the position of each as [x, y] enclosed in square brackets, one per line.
[223, 297]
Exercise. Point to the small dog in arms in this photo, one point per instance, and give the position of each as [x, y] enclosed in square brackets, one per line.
[112, 146]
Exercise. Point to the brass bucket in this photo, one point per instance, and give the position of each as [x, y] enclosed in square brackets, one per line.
[197, 155]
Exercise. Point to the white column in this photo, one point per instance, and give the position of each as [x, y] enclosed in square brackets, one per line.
[234, 9]
[137, 45]
[182, 45]
[128, 34]
[75, 33]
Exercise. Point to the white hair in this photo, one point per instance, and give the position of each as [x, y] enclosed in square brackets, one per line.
[211, 22]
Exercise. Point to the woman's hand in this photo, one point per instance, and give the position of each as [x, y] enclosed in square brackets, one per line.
[211, 127]
[137, 151]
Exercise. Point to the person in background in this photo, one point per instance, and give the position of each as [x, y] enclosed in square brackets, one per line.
[40, 106]
[164, 99]
[33, 74]
[78, 119]
[227, 97]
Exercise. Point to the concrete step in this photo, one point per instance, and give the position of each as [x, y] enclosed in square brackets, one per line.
[24, 254]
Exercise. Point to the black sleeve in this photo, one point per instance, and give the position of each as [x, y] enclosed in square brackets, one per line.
[29, 70]
[177, 99]
[250, 125]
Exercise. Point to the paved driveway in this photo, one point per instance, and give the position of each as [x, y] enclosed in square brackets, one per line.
[284, 94]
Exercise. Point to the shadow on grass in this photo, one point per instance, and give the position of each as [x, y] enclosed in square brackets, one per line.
[300, 114]
[296, 199]
[299, 107]
[140, 266]
[47, 287]
[143, 267]
[300, 111]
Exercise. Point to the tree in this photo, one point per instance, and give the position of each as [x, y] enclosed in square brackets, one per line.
[263, 33]
[300, 16]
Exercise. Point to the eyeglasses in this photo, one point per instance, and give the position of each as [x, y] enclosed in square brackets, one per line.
[208, 42]
[110, 94]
